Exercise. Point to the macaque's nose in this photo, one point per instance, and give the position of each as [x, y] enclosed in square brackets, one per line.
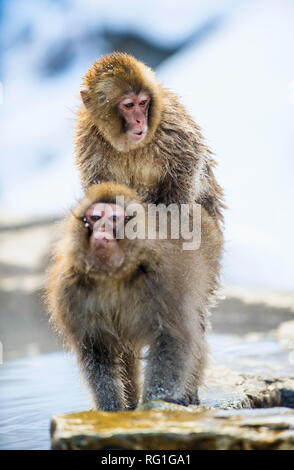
[139, 117]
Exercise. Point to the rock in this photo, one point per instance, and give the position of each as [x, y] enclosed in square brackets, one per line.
[173, 429]
[286, 389]
[159, 425]
[227, 389]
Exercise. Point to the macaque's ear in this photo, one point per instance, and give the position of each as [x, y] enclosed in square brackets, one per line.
[85, 95]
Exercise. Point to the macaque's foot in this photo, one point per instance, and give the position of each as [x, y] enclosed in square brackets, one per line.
[180, 401]
[194, 400]
[131, 407]
[185, 401]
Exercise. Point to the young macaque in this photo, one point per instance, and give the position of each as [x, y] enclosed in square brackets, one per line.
[110, 295]
[133, 131]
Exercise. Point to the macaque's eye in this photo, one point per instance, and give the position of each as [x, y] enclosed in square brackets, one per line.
[94, 218]
[129, 105]
[143, 102]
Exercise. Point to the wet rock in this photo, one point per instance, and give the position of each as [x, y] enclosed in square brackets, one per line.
[161, 425]
[173, 429]
[285, 388]
[227, 389]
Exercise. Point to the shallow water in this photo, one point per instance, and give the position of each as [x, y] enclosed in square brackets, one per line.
[34, 389]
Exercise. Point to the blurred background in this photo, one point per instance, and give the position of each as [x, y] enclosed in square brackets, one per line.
[231, 62]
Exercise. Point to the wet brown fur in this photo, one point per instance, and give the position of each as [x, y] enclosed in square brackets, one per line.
[171, 165]
[159, 297]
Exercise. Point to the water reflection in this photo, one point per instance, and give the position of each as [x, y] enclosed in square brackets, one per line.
[34, 389]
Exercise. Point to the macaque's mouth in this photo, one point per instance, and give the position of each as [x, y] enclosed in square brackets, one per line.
[103, 235]
[137, 135]
[101, 240]
[107, 250]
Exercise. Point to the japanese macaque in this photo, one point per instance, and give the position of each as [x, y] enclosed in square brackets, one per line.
[133, 131]
[110, 296]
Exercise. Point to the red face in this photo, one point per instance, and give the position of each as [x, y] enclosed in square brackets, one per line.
[104, 219]
[134, 109]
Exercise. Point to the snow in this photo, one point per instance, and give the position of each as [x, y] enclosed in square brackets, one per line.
[37, 115]
[163, 22]
[237, 86]
[237, 82]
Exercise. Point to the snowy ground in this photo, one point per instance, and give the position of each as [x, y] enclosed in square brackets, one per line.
[238, 83]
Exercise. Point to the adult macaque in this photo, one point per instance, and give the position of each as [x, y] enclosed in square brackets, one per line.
[133, 131]
[110, 296]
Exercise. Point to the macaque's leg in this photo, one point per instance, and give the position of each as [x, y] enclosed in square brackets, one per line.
[195, 378]
[102, 371]
[199, 350]
[131, 378]
[167, 369]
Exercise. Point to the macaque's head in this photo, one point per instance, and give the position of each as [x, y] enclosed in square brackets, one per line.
[96, 227]
[123, 99]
